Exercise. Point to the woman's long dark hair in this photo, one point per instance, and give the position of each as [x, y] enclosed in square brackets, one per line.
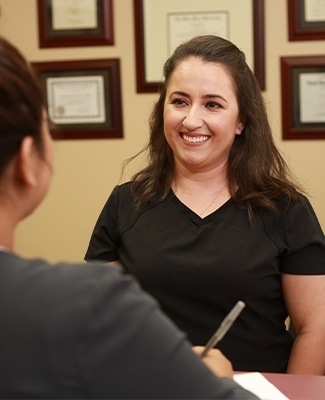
[257, 173]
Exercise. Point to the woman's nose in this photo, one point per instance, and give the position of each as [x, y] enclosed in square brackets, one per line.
[192, 119]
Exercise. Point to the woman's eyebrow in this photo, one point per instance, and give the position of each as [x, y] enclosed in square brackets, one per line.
[206, 96]
[179, 93]
[214, 96]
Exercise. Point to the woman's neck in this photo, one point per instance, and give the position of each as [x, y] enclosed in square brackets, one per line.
[199, 176]
[208, 181]
[203, 193]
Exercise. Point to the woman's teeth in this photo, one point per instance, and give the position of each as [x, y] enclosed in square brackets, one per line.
[195, 139]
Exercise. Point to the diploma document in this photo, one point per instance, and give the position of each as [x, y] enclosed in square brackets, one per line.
[74, 14]
[76, 99]
[312, 97]
[314, 10]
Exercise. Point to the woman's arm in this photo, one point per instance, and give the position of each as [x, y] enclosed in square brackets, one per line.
[305, 299]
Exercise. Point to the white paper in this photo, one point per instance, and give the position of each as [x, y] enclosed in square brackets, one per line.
[240, 28]
[74, 14]
[184, 26]
[260, 386]
[76, 99]
[312, 97]
[314, 10]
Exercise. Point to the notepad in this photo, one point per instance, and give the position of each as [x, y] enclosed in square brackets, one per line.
[260, 386]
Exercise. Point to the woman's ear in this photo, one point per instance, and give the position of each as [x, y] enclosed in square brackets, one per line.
[27, 162]
[239, 128]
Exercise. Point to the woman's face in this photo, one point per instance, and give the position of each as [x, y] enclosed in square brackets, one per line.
[201, 115]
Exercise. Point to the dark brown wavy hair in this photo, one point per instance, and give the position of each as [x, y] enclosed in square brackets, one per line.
[21, 103]
[257, 173]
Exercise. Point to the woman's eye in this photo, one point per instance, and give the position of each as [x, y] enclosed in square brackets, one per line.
[213, 104]
[179, 102]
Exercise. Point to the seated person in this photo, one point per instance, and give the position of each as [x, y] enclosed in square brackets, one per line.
[215, 216]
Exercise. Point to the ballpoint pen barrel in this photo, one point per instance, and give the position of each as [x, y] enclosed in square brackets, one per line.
[224, 327]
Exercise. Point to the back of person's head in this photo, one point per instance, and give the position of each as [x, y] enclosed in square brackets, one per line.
[21, 103]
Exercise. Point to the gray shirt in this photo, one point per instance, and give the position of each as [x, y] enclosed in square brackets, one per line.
[88, 331]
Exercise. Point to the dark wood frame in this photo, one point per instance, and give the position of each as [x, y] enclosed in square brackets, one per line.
[259, 49]
[110, 70]
[291, 67]
[299, 28]
[101, 36]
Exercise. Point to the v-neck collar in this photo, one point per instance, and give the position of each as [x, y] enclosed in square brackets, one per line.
[195, 217]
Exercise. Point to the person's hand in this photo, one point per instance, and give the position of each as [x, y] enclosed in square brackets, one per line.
[116, 263]
[216, 361]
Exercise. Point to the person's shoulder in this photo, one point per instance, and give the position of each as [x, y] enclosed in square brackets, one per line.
[284, 205]
[88, 274]
[122, 202]
[120, 197]
[288, 211]
[121, 193]
[123, 188]
[61, 290]
[287, 207]
[62, 276]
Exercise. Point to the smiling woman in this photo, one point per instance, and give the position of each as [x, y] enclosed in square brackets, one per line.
[215, 217]
[201, 119]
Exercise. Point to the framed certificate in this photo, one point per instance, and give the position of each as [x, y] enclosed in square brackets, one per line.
[64, 23]
[160, 26]
[83, 98]
[306, 19]
[303, 97]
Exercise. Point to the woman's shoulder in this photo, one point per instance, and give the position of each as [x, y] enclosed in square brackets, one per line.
[121, 193]
[290, 213]
[284, 205]
[288, 207]
[123, 189]
[122, 204]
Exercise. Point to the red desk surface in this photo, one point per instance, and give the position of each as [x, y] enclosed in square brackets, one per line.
[299, 387]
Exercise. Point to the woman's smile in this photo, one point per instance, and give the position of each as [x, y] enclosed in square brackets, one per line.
[194, 138]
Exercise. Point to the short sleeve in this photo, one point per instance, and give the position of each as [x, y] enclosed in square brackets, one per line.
[303, 240]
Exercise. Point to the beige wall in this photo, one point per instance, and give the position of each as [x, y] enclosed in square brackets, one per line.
[86, 171]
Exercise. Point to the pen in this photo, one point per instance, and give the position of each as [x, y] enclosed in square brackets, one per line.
[224, 327]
